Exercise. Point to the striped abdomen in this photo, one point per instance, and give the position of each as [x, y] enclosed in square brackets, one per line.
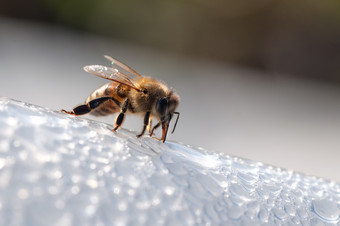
[112, 89]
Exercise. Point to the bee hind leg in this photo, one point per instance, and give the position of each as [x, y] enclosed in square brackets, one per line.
[79, 110]
[86, 108]
[121, 116]
[146, 123]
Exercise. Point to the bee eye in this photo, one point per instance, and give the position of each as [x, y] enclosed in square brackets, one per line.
[162, 105]
[145, 91]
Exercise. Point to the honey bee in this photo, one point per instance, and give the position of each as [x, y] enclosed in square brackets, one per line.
[130, 92]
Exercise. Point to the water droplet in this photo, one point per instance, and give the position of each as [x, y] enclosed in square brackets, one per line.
[290, 209]
[295, 220]
[317, 191]
[326, 209]
[239, 191]
[235, 212]
[280, 213]
[302, 213]
[248, 177]
[263, 215]
[273, 188]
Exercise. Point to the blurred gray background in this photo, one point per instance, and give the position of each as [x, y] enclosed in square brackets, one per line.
[257, 79]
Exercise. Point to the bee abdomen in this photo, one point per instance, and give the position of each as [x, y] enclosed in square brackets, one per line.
[109, 106]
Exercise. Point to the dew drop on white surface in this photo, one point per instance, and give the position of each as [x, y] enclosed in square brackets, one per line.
[326, 209]
[72, 171]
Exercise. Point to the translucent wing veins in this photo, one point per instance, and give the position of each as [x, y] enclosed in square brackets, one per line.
[117, 64]
[112, 74]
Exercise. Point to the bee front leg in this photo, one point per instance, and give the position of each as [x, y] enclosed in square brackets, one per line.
[146, 123]
[121, 116]
[153, 129]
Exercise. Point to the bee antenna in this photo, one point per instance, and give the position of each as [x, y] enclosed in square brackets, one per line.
[177, 113]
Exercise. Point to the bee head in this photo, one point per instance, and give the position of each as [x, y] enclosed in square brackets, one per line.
[165, 108]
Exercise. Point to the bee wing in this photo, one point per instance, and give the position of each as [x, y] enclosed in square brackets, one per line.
[112, 74]
[119, 65]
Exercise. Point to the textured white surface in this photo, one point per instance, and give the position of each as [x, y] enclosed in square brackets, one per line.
[59, 170]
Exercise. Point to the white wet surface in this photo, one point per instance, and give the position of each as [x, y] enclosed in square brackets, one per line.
[56, 169]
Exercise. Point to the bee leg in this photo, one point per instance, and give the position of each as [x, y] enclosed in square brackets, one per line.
[121, 116]
[86, 108]
[79, 110]
[149, 125]
[146, 123]
[155, 127]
